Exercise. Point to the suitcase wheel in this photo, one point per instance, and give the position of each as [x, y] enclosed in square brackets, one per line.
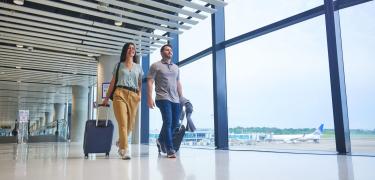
[86, 156]
[107, 154]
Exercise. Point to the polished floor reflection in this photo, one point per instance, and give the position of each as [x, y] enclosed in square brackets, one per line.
[65, 161]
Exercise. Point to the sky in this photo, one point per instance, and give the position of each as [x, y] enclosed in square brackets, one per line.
[281, 79]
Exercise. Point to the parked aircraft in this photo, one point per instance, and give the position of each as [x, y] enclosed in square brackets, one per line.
[293, 138]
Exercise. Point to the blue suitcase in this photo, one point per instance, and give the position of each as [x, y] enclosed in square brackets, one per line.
[98, 136]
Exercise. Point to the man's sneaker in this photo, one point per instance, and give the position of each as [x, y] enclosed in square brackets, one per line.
[171, 154]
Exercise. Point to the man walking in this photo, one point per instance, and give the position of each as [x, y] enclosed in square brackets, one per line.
[166, 76]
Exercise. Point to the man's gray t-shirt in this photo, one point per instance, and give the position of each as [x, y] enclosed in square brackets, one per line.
[165, 76]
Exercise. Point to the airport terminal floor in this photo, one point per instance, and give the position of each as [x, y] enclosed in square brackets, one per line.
[35, 161]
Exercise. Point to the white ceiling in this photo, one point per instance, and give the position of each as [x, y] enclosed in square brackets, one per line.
[61, 40]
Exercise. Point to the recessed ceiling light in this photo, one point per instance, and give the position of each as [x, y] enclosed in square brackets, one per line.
[19, 45]
[31, 49]
[18, 2]
[103, 6]
[118, 23]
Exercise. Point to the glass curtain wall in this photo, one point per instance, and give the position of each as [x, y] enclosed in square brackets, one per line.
[244, 16]
[196, 81]
[279, 95]
[358, 42]
[155, 116]
[197, 86]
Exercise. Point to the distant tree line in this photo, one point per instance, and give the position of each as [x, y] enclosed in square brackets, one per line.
[248, 130]
[274, 130]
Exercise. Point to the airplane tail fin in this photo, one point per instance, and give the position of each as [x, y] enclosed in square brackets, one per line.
[319, 130]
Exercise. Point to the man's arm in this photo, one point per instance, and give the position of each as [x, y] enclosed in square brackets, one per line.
[179, 88]
[150, 101]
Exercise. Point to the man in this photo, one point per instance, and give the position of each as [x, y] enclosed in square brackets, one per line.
[166, 76]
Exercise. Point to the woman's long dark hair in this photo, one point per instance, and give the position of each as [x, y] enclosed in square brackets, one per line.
[124, 52]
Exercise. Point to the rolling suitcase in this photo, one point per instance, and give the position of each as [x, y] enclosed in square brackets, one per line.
[178, 136]
[98, 136]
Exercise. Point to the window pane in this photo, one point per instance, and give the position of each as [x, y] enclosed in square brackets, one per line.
[155, 116]
[243, 16]
[196, 79]
[196, 39]
[197, 83]
[358, 42]
[279, 90]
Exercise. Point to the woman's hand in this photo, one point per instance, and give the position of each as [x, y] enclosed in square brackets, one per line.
[105, 101]
[139, 95]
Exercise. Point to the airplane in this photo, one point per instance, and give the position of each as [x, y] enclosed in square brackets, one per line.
[294, 138]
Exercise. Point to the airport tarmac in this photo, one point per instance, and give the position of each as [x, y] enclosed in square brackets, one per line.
[359, 146]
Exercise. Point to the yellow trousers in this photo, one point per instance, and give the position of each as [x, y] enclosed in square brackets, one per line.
[125, 106]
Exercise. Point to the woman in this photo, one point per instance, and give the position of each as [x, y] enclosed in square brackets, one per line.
[126, 96]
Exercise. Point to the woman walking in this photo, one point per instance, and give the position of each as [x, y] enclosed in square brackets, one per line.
[126, 95]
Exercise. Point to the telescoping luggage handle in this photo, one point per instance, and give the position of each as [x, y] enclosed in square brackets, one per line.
[181, 121]
[97, 117]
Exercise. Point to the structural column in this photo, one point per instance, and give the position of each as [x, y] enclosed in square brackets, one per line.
[48, 119]
[145, 112]
[41, 122]
[59, 114]
[337, 77]
[219, 80]
[105, 68]
[175, 47]
[79, 112]
[136, 128]
[51, 111]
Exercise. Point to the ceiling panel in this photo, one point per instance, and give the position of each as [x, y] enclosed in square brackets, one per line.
[48, 46]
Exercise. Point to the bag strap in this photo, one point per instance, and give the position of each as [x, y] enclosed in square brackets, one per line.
[116, 77]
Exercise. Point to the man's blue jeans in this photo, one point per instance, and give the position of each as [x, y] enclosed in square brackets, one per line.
[170, 113]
